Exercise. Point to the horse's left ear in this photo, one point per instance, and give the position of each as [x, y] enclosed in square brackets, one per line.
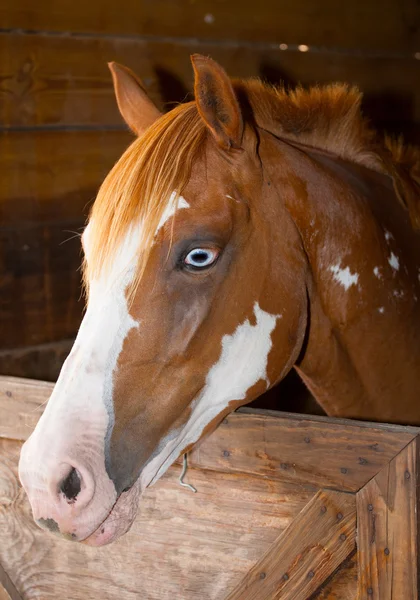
[136, 108]
[217, 102]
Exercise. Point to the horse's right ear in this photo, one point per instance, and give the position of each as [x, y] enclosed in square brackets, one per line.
[135, 106]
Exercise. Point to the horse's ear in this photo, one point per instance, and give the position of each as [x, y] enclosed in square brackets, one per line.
[135, 106]
[217, 102]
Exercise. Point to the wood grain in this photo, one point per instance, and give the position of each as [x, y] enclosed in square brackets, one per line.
[298, 449]
[391, 26]
[38, 88]
[182, 545]
[49, 180]
[260, 443]
[388, 537]
[43, 361]
[342, 585]
[317, 541]
[21, 405]
[50, 176]
[7, 588]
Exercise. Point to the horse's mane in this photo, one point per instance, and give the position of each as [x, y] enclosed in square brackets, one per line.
[160, 161]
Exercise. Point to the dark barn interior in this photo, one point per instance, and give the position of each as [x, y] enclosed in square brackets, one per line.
[61, 130]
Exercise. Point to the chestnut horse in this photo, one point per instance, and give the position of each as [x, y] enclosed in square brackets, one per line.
[241, 235]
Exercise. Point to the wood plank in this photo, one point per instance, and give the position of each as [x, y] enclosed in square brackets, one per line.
[48, 182]
[298, 449]
[318, 540]
[388, 536]
[36, 362]
[21, 405]
[391, 26]
[281, 446]
[182, 545]
[38, 87]
[50, 176]
[342, 585]
[7, 588]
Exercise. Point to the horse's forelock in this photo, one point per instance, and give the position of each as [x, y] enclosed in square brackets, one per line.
[139, 186]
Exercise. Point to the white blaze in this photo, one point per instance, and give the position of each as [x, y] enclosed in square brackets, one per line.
[79, 413]
[175, 202]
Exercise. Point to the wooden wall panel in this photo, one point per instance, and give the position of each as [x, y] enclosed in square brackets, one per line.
[39, 361]
[48, 182]
[63, 130]
[64, 81]
[391, 25]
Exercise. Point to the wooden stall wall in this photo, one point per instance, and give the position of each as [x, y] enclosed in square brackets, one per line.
[61, 132]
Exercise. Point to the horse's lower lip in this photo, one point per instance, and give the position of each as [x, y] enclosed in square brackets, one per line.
[119, 519]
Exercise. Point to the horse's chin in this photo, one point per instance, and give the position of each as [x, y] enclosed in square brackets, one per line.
[119, 519]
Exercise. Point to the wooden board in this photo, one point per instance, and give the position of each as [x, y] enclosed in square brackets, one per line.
[388, 533]
[38, 88]
[318, 540]
[48, 182]
[7, 587]
[248, 518]
[259, 443]
[215, 537]
[38, 362]
[392, 26]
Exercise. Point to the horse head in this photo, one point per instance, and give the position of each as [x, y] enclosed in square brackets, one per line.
[196, 304]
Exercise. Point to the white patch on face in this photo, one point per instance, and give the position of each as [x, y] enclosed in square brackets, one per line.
[394, 261]
[377, 272]
[79, 414]
[381, 309]
[388, 235]
[242, 363]
[398, 293]
[175, 202]
[344, 276]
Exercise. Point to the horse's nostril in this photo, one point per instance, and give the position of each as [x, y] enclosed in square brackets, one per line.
[71, 485]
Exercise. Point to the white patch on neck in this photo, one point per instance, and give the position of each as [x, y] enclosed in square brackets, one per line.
[344, 276]
[175, 203]
[377, 272]
[394, 261]
[381, 309]
[388, 235]
[242, 363]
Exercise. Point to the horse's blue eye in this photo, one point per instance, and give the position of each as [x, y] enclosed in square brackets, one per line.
[200, 258]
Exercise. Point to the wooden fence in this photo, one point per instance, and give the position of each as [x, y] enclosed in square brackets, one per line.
[288, 507]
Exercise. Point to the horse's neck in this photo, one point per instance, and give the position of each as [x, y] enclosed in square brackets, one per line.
[362, 353]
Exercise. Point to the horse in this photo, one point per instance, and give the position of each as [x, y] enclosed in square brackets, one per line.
[241, 235]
